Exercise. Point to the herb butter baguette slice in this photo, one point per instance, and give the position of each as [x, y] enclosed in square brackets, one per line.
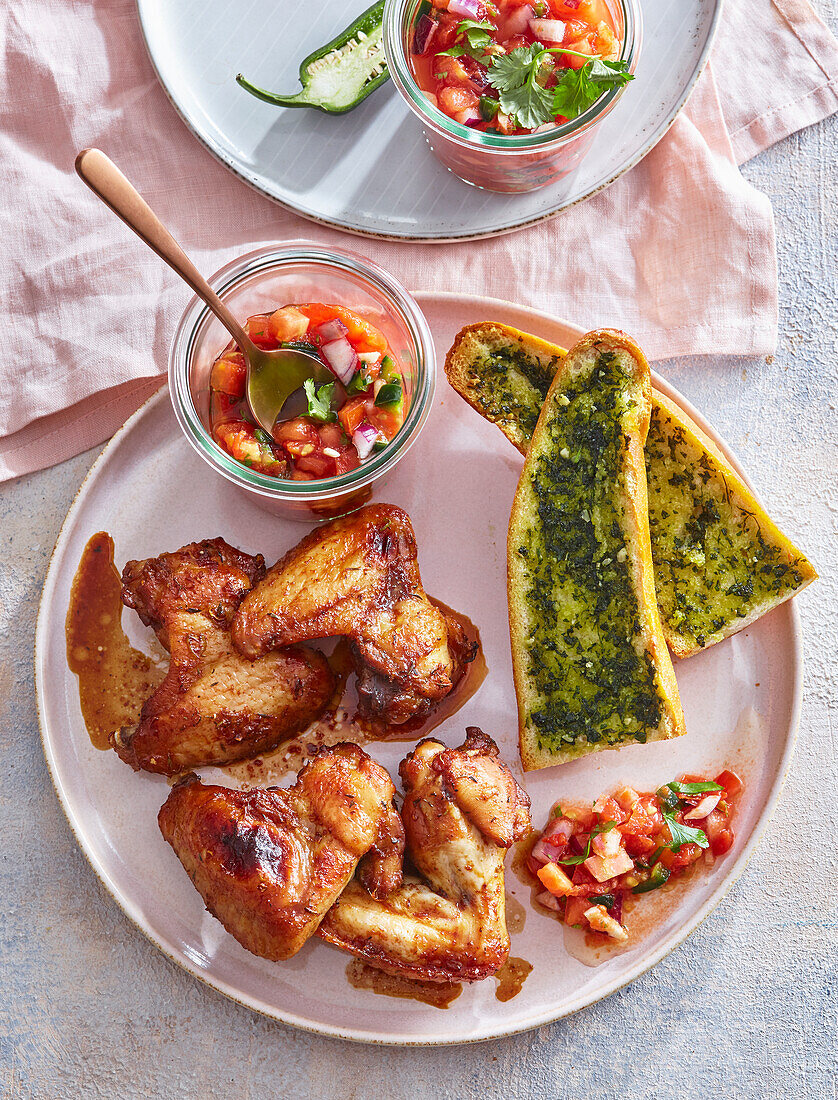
[591, 666]
[720, 562]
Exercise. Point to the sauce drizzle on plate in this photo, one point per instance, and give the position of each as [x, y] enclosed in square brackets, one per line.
[114, 678]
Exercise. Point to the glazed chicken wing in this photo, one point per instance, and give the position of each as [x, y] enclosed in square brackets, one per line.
[358, 577]
[269, 863]
[462, 810]
[214, 706]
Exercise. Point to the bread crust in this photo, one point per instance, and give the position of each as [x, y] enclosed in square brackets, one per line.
[671, 723]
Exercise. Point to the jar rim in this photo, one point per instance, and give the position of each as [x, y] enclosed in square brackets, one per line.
[269, 258]
[399, 14]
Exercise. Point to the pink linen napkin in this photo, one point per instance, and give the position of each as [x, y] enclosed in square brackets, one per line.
[679, 251]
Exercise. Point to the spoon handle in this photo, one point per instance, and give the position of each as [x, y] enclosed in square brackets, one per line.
[104, 178]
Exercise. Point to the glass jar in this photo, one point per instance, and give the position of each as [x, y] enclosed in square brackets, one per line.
[500, 162]
[261, 281]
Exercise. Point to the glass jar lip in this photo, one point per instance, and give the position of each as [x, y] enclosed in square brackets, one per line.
[395, 10]
[266, 258]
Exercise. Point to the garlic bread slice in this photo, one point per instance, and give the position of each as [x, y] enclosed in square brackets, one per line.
[720, 562]
[591, 666]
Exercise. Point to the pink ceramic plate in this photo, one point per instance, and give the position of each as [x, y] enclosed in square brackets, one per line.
[152, 493]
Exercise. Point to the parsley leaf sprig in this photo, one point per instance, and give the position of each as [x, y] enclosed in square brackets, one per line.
[473, 38]
[320, 400]
[684, 834]
[515, 76]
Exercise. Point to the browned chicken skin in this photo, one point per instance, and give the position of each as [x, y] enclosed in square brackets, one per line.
[358, 577]
[462, 810]
[270, 863]
[213, 707]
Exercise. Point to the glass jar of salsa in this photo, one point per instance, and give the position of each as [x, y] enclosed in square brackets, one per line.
[347, 435]
[457, 63]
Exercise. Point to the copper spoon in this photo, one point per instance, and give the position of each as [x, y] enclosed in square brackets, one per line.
[272, 376]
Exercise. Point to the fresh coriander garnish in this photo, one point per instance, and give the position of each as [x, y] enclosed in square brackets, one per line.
[515, 75]
[472, 39]
[693, 788]
[263, 437]
[319, 401]
[684, 834]
[602, 827]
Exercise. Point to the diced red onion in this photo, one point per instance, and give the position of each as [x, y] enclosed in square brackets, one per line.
[364, 437]
[545, 852]
[546, 899]
[518, 22]
[341, 357]
[559, 826]
[704, 808]
[469, 8]
[425, 30]
[469, 115]
[548, 30]
[332, 330]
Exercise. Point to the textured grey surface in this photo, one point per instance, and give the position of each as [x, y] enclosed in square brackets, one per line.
[748, 1006]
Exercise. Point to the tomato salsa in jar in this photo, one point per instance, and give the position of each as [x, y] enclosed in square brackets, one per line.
[456, 53]
[589, 864]
[509, 91]
[345, 421]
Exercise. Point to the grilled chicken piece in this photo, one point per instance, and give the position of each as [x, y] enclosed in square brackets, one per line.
[214, 706]
[462, 810]
[269, 863]
[358, 577]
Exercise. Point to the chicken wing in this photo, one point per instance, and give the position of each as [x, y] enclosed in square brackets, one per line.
[214, 706]
[269, 863]
[462, 810]
[358, 577]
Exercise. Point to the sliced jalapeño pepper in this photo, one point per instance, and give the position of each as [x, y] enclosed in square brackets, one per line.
[341, 74]
[657, 878]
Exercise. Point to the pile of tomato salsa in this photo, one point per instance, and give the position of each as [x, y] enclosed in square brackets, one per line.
[348, 420]
[589, 863]
[501, 66]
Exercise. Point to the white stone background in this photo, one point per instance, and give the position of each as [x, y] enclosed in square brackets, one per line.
[746, 1008]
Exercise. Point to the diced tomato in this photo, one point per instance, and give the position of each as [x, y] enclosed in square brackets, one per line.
[387, 418]
[316, 463]
[229, 374]
[451, 69]
[238, 438]
[331, 435]
[609, 810]
[298, 436]
[575, 911]
[223, 407]
[288, 323]
[258, 328]
[353, 412]
[453, 99]
[554, 879]
[515, 42]
[347, 460]
[360, 333]
[718, 831]
[607, 45]
[731, 783]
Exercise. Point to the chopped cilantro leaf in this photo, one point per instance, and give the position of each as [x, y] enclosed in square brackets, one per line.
[319, 401]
